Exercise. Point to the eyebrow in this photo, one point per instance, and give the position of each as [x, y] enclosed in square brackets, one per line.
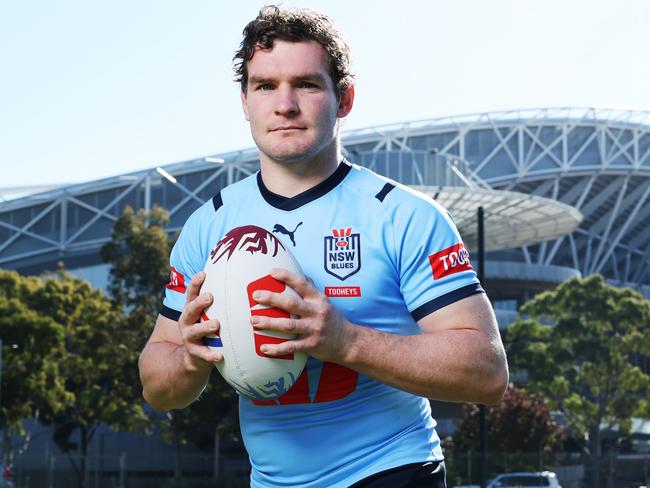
[258, 79]
[306, 77]
[311, 77]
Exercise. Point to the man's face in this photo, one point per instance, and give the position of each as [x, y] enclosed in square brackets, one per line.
[290, 101]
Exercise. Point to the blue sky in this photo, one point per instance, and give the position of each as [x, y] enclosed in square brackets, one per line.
[92, 88]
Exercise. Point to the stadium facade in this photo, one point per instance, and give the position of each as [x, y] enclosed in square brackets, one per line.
[594, 160]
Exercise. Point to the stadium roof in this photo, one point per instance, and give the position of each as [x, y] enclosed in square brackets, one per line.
[613, 116]
[596, 160]
[511, 219]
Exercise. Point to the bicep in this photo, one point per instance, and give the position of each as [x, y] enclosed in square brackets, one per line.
[468, 336]
[473, 312]
[165, 330]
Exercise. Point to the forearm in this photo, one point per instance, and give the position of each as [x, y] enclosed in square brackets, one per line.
[170, 379]
[451, 365]
[457, 357]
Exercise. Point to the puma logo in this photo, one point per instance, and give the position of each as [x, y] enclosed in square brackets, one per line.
[282, 230]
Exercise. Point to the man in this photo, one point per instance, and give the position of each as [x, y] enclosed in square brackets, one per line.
[393, 320]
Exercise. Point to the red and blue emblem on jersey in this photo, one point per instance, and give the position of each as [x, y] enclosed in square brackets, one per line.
[342, 253]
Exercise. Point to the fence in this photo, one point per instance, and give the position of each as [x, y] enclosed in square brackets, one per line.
[574, 470]
[145, 470]
[130, 471]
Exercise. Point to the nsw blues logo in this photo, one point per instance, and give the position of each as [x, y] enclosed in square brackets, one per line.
[342, 253]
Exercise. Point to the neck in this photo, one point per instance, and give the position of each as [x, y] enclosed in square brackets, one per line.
[292, 178]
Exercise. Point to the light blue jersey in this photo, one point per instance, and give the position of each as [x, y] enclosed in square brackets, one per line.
[386, 256]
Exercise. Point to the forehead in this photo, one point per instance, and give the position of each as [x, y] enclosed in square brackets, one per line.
[289, 59]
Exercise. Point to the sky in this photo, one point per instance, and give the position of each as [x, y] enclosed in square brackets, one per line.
[90, 88]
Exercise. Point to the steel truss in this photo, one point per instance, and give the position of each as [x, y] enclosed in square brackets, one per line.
[595, 160]
[77, 220]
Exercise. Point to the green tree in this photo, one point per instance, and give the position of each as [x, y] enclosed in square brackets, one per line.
[98, 366]
[520, 423]
[32, 346]
[579, 346]
[138, 254]
[520, 428]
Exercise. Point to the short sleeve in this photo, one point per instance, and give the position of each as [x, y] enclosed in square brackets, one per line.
[433, 264]
[186, 260]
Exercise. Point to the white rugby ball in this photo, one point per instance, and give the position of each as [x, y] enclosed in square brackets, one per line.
[240, 264]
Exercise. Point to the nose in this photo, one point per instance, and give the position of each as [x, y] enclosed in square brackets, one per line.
[287, 101]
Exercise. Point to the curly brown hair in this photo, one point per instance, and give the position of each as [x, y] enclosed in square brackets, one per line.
[294, 25]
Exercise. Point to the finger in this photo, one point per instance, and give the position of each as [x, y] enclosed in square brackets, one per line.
[195, 286]
[290, 325]
[205, 353]
[192, 310]
[196, 332]
[284, 348]
[300, 283]
[291, 303]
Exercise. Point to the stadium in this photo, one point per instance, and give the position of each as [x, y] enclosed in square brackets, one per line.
[581, 175]
[594, 162]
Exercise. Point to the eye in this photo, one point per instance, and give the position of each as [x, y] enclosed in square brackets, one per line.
[309, 85]
[264, 87]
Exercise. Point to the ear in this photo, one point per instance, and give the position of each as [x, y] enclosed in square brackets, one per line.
[346, 102]
[244, 104]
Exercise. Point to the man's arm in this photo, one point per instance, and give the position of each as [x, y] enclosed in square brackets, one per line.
[458, 357]
[175, 365]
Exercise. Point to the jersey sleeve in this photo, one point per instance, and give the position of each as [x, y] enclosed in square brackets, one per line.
[433, 264]
[186, 260]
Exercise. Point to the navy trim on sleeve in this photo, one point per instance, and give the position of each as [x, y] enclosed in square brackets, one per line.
[170, 313]
[384, 191]
[217, 201]
[444, 300]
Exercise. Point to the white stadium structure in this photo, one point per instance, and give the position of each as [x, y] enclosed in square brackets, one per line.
[594, 163]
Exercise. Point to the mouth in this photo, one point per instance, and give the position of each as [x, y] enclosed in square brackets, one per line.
[287, 128]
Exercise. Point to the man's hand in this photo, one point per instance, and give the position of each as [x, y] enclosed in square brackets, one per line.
[197, 355]
[175, 365]
[457, 357]
[322, 331]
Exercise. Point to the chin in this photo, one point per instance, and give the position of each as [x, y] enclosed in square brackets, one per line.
[294, 151]
[292, 156]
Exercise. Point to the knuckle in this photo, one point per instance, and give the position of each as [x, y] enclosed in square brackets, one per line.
[182, 320]
[292, 302]
[292, 325]
[188, 331]
[322, 311]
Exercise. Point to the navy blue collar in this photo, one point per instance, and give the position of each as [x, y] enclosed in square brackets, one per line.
[292, 203]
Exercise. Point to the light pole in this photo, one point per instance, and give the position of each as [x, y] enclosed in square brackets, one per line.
[0, 372]
[482, 408]
[3, 427]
